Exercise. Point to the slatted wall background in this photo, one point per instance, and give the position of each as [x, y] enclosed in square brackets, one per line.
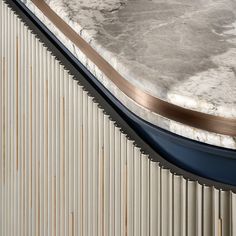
[67, 169]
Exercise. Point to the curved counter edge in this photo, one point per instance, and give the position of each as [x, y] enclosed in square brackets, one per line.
[151, 139]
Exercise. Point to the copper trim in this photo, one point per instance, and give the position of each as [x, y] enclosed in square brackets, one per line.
[211, 123]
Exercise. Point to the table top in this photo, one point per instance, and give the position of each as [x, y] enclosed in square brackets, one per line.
[181, 52]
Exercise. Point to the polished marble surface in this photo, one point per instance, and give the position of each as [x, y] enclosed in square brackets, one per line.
[180, 51]
[183, 52]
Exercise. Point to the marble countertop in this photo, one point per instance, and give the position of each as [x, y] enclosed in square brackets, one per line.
[183, 52]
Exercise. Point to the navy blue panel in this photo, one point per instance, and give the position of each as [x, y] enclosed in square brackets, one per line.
[208, 161]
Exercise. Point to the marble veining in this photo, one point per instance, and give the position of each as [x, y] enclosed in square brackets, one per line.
[183, 52]
[174, 50]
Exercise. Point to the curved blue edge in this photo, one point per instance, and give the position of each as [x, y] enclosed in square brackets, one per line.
[207, 161]
[212, 162]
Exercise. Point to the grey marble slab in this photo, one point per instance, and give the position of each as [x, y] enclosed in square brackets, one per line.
[183, 52]
[175, 50]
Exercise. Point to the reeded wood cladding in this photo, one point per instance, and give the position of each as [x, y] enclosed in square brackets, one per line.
[67, 169]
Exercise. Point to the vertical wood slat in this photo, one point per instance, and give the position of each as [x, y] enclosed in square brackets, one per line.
[137, 192]
[130, 188]
[155, 199]
[225, 213]
[2, 65]
[144, 195]
[112, 179]
[67, 169]
[118, 182]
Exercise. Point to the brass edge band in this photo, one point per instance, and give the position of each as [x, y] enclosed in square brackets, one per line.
[211, 123]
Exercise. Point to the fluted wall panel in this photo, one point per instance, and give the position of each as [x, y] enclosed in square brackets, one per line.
[67, 169]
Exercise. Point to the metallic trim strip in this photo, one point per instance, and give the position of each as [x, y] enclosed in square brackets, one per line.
[211, 123]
